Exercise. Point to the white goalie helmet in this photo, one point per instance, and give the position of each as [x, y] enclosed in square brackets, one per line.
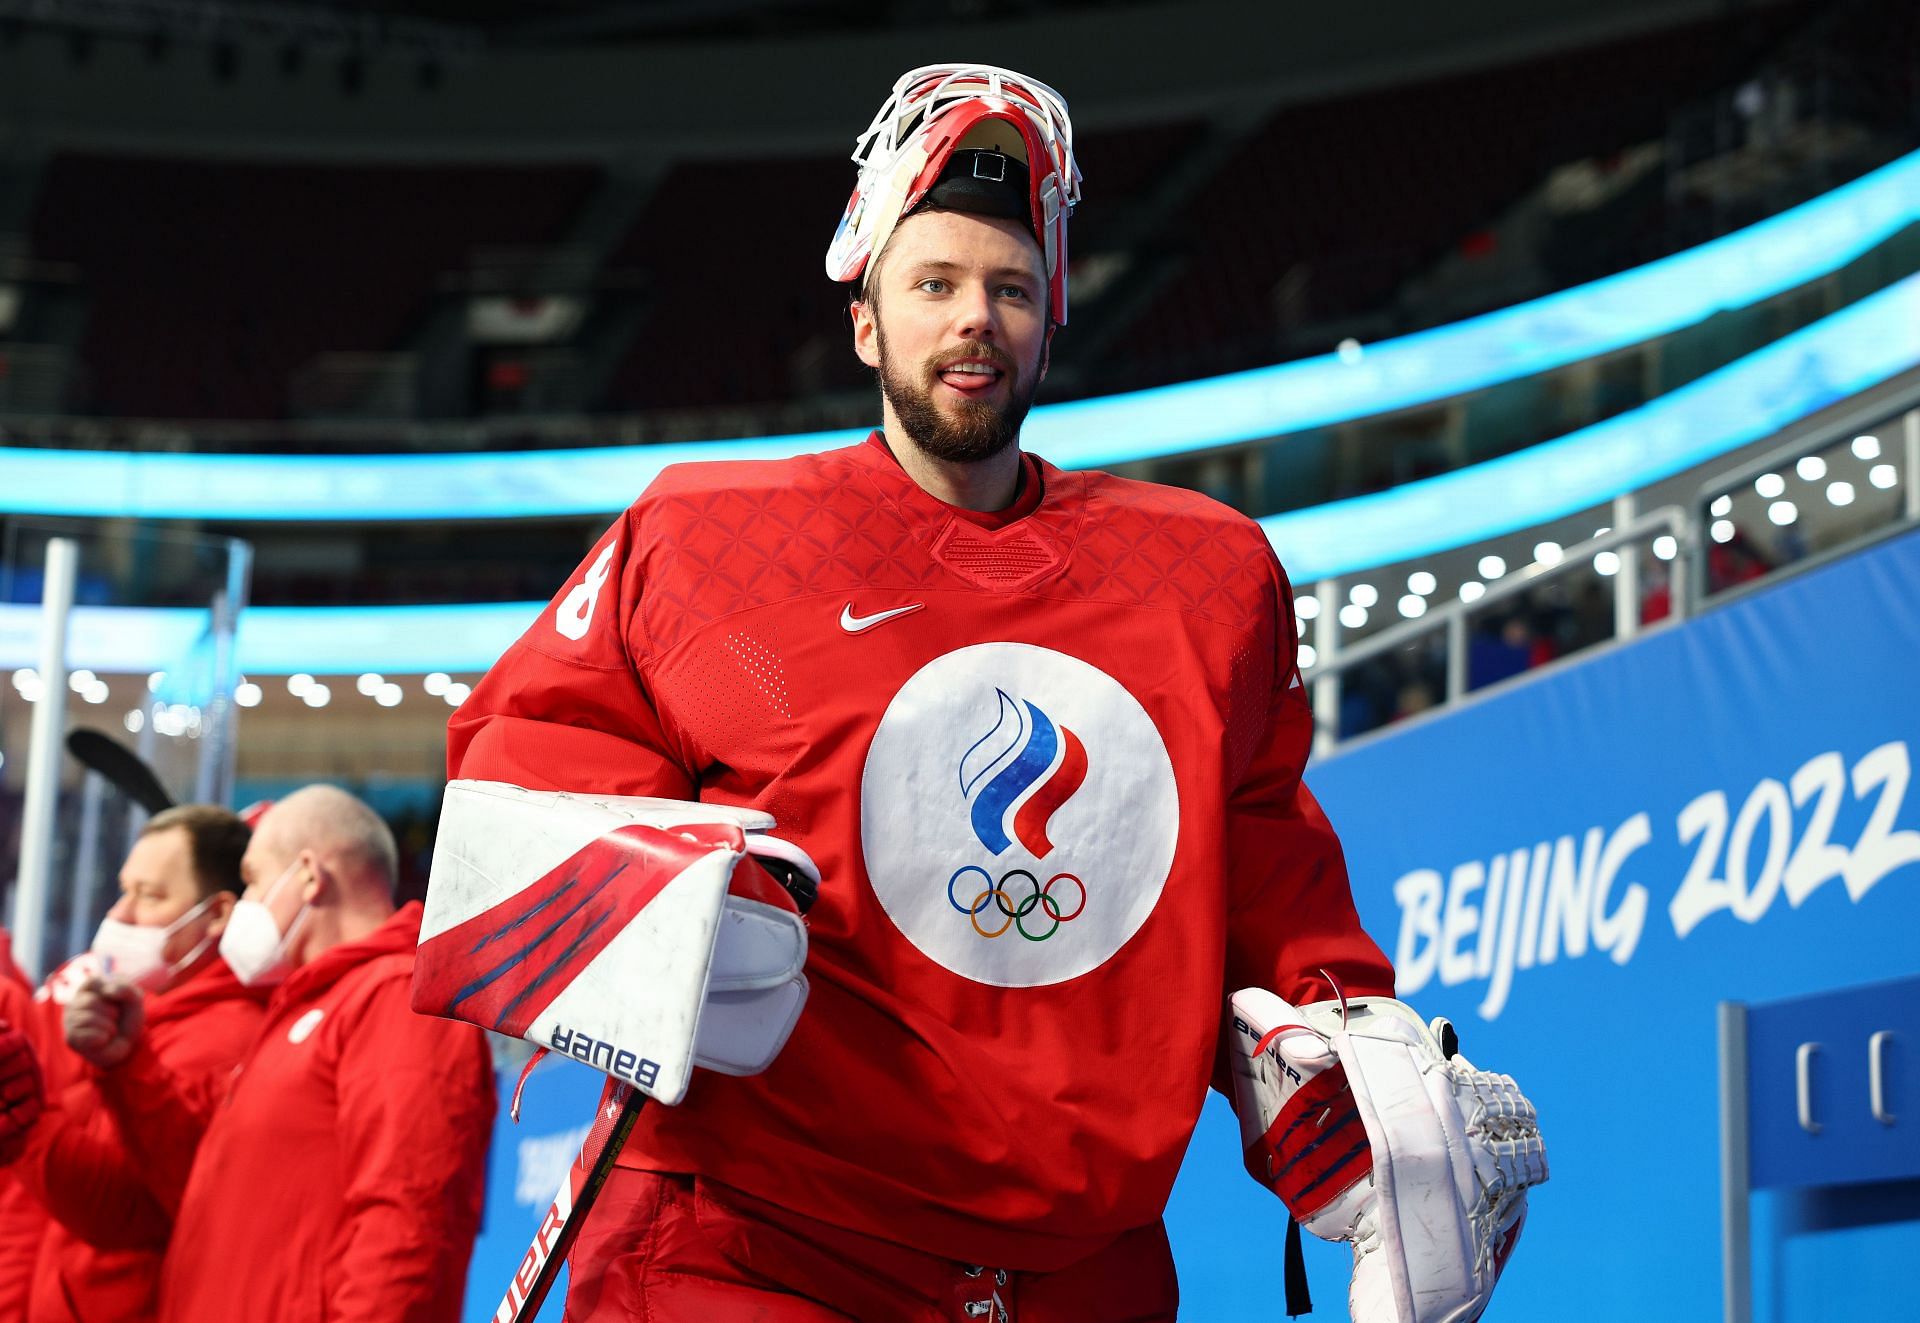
[943, 109]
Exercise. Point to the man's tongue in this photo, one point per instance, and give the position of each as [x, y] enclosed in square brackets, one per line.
[970, 382]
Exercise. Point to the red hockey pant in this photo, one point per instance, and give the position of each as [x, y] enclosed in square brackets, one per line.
[677, 1249]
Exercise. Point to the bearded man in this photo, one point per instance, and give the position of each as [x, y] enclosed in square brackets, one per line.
[1042, 733]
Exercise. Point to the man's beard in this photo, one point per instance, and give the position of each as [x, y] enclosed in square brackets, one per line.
[970, 431]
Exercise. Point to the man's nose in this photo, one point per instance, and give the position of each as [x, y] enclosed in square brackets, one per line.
[974, 314]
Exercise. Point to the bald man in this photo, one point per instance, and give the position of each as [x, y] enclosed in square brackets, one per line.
[341, 1175]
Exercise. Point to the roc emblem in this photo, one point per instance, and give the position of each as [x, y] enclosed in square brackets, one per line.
[1018, 776]
[1018, 814]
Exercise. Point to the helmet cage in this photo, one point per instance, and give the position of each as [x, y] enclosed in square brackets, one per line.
[936, 111]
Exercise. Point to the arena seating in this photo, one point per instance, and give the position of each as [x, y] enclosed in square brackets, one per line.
[211, 282]
[1363, 192]
[248, 271]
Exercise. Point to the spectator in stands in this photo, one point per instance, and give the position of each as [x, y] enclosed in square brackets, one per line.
[1502, 649]
[372, 1121]
[1415, 698]
[1656, 597]
[1736, 561]
[100, 1256]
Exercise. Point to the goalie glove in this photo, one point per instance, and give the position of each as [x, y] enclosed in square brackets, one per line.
[1372, 1129]
[641, 936]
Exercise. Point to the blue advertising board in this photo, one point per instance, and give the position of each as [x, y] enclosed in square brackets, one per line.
[1576, 871]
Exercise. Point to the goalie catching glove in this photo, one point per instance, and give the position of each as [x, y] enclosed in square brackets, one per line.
[641, 936]
[1371, 1131]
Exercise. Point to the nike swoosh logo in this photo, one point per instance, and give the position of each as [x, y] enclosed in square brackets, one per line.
[861, 624]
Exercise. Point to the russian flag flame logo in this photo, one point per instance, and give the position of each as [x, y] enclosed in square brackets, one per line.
[1025, 751]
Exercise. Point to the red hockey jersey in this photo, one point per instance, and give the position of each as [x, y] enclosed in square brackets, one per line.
[1049, 764]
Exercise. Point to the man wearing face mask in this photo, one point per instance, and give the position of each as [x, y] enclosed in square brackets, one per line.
[341, 1174]
[100, 1255]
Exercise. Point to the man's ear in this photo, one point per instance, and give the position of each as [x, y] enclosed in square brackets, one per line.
[316, 878]
[866, 332]
[219, 911]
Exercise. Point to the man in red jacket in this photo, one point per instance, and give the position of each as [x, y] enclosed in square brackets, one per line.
[340, 1177]
[101, 1254]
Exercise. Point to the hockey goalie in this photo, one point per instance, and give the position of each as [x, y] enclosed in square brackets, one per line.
[1044, 731]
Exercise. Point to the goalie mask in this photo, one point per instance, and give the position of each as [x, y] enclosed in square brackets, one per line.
[964, 137]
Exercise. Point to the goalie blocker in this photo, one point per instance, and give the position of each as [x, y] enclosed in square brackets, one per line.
[1372, 1129]
[643, 937]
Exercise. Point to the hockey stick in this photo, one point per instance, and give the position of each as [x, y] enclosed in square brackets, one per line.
[578, 1190]
[122, 768]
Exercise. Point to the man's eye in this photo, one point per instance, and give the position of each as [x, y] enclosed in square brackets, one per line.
[1014, 292]
[933, 285]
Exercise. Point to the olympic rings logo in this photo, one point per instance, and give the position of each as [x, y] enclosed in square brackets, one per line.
[1015, 913]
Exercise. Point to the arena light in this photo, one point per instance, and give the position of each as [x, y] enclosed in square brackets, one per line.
[1666, 547]
[1308, 656]
[1547, 553]
[1883, 476]
[1783, 512]
[1422, 583]
[1492, 567]
[1413, 605]
[1353, 615]
[1738, 269]
[1866, 447]
[1722, 530]
[1472, 591]
[1722, 506]
[1307, 608]
[1840, 493]
[1363, 595]
[293, 642]
[1769, 486]
[1606, 563]
[1811, 468]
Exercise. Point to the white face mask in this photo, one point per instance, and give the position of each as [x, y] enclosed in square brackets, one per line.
[138, 953]
[253, 945]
